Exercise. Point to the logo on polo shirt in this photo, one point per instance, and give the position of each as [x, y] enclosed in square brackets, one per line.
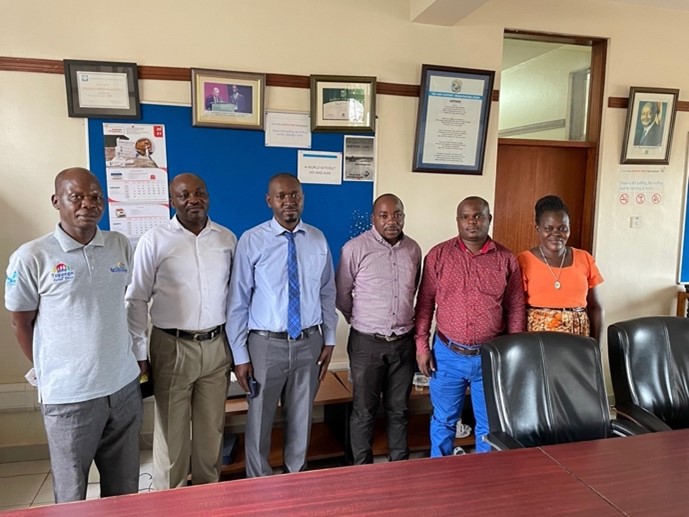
[11, 279]
[120, 267]
[62, 273]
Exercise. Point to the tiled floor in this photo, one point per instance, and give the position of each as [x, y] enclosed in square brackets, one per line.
[30, 483]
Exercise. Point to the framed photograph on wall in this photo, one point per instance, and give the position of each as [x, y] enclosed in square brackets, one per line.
[227, 99]
[452, 121]
[650, 121]
[343, 103]
[102, 89]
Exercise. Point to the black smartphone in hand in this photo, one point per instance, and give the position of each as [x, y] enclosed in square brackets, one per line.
[253, 387]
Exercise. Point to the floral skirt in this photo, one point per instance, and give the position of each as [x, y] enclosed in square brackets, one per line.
[575, 321]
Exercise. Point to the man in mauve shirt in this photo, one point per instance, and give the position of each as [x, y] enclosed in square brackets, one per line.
[473, 284]
[376, 281]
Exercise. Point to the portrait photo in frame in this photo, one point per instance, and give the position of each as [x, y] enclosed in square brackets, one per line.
[343, 103]
[227, 99]
[102, 89]
[650, 123]
[452, 120]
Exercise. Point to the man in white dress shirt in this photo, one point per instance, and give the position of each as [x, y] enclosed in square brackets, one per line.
[183, 268]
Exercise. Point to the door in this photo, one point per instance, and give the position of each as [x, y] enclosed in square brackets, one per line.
[528, 170]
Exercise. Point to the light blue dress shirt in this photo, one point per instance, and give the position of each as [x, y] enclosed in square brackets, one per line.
[258, 285]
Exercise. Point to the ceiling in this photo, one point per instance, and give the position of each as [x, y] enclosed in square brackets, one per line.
[451, 12]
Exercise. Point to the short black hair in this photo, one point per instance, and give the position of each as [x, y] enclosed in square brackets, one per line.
[383, 196]
[549, 204]
[282, 175]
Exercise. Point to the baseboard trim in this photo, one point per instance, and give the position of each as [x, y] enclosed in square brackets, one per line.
[30, 452]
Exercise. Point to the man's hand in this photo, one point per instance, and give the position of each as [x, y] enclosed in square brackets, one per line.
[324, 361]
[242, 372]
[145, 369]
[426, 363]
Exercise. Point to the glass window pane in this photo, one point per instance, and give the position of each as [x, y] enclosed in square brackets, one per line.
[544, 90]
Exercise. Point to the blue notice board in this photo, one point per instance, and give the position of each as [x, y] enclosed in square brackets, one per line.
[236, 166]
[683, 270]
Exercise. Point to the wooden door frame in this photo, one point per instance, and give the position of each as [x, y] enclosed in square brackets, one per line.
[599, 50]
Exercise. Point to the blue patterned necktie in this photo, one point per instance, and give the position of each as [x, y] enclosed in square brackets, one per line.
[293, 303]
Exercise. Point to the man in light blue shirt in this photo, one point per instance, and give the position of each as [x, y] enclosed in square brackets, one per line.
[281, 323]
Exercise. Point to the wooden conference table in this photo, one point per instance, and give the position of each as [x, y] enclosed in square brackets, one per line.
[642, 475]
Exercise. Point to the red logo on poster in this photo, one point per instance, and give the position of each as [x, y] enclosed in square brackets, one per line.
[624, 199]
[158, 131]
[640, 198]
[656, 198]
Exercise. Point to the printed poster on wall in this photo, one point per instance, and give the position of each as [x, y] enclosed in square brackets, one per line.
[641, 185]
[136, 173]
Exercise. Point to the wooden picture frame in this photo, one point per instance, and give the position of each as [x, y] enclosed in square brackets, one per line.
[343, 103]
[226, 99]
[102, 89]
[452, 120]
[650, 123]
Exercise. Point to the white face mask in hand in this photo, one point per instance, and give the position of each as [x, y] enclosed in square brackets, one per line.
[31, 377]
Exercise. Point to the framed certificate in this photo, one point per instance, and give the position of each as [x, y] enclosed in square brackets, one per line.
[102, 89]
[452, 121]
[343, 103]
[650, 121]
[221, 98]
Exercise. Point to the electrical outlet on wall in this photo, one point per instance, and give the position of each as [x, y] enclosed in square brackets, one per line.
[635, 221]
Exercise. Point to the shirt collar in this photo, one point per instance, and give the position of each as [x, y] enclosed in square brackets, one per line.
[69, 244]
[176, 225]
[277, 229]
[380, 238]
[489, 245]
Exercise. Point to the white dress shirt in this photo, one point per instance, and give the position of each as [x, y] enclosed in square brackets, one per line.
[184, 276]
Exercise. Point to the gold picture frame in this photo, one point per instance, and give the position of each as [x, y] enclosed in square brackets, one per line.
[343, 103]
[226, 99]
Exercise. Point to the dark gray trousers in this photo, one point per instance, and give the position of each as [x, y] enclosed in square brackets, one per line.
[380, 367]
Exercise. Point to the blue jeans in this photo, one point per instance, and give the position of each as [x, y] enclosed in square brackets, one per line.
[448, 384]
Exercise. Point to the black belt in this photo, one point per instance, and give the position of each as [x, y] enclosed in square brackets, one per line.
[284, 336]
[383, 337]
[195, 336]
[456, 348]
[562, 309]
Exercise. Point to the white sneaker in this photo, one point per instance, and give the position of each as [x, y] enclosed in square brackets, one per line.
[463, 430]
[458, 451]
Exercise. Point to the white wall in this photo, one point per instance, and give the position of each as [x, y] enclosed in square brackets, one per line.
[538, 90]
[357, 37]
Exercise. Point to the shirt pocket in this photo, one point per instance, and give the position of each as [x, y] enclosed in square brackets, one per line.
[315, 265]
[492, 280]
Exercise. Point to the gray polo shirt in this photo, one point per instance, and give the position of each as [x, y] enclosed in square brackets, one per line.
[81, 344]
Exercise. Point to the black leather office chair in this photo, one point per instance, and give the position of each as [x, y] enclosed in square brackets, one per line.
[649, 366]
[544, 388]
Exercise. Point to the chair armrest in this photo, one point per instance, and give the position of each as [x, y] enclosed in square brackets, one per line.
[642, 417]
[624, 427]
[502, 441]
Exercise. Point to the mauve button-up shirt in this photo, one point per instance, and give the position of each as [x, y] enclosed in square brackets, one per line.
[376, 283]
[475, 297]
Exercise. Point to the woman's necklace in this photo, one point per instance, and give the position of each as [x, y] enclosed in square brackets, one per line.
[562, 263]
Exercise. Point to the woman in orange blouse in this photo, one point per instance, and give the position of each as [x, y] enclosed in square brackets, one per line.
[560, 281]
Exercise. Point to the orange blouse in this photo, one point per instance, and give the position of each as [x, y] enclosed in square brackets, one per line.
[575, 280]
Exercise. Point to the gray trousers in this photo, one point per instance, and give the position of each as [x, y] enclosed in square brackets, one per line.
[286, 371]
[190, 380]
[104, 430]
[380, 367]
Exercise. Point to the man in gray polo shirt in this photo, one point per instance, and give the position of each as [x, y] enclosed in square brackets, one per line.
[65, 294]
